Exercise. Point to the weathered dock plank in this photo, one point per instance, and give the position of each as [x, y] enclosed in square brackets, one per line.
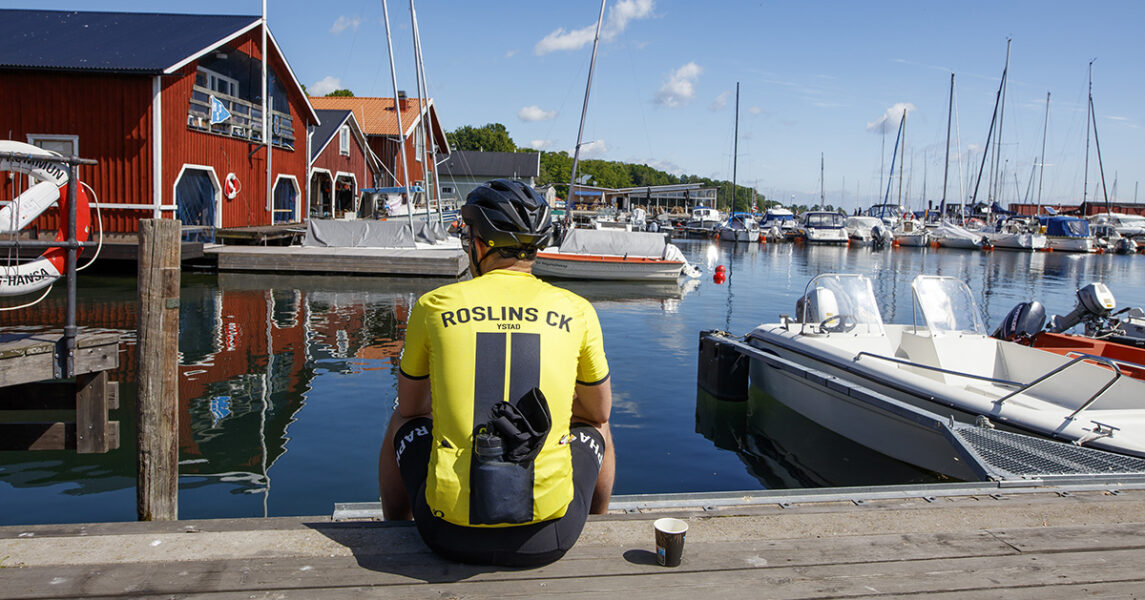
[1039, 546]
[31, 358]
[362, 261]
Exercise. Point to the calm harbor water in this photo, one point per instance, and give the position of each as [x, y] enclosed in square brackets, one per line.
[286, 382]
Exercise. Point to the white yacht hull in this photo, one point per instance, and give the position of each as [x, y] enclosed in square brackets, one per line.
[1017, 241]
[1071, 244]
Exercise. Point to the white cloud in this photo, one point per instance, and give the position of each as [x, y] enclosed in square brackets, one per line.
[680, 87]
[594, 149]
[541, 144]
[617, 21]
[755, 110]
[536, 113]
[343, 23]
[721, 101]
[511, 53]
[325, 86]
[889, 122]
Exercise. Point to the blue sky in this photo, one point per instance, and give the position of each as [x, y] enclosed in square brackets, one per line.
[815, 77]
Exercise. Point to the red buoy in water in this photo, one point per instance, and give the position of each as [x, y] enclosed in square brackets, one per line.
[719, 277]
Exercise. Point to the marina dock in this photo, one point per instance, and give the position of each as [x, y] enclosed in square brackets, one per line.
[445, 262]
[975, 543]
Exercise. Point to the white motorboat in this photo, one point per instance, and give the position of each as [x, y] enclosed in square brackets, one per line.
[1016, 234]
[1126, 225]
[740, 227]
[613, 254]
[946, 367]
[821, 227]
[703, 222]
[778, 224]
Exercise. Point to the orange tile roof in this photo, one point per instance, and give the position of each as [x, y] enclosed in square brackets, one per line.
[376, 115]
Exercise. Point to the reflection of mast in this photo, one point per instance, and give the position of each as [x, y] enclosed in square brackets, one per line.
[266, 381]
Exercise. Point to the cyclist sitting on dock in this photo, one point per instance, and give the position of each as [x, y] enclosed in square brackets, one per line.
[499, 446]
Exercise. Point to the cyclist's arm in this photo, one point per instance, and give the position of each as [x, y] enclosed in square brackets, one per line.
[413, 396]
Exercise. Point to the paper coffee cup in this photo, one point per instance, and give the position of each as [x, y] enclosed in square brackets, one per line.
[670, 535]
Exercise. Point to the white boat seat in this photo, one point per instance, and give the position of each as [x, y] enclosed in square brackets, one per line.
[974, 354]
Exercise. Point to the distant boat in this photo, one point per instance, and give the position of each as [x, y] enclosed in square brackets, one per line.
[778, 224]
[1016, 234]
[867, 231]
[1068, 234]
[740, 227]
[949, 235]
[704, 221]
[613, 254]
[822, 227]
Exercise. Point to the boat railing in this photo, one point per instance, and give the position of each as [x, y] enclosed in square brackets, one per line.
[937, 369]
[1117, 361]
[1117, 374]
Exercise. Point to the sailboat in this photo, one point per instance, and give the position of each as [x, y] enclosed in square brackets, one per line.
[608, 254]
[740, 226]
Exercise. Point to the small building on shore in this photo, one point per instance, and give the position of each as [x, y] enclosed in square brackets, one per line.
[1085, 209]
[171, 105]
[379, 118]
[464, 170]
[341, 164]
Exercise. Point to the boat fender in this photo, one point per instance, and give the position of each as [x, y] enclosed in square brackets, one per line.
[52, 188]
[1022, 322]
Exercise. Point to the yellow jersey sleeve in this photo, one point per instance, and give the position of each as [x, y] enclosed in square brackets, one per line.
[415, 351]
[592, 366]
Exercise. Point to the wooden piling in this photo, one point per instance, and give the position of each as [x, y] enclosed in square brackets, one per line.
[157, 491]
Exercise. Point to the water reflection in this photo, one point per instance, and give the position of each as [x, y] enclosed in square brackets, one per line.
[782, 449]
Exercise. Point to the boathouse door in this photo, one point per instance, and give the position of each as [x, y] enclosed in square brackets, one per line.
[196, 195]
[285, 200]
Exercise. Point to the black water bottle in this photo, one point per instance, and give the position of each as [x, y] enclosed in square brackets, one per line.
[500, 492]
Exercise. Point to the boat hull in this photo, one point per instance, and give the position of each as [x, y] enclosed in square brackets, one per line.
[609, 268]
[1071, 244]
[1017, 241]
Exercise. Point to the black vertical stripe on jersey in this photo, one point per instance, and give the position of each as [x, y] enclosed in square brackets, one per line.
[524, 365]
[488, 376]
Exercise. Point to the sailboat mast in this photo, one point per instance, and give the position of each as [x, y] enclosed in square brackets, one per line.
[822, 195]
[1042, 166]
[990, 132]
[421, 110]
[735, 155]
[946, 162]
[1097, 145]
[569, 202]
[427, 122]
[995, 176]
[1088, 115]
[398, 114]
[902, 132]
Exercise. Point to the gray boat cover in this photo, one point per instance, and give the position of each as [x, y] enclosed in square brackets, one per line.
[614, 242]
[359, 234]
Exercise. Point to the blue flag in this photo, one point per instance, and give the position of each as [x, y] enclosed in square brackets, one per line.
[219, 112]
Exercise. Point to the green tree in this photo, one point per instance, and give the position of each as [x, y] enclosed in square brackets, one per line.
[341, 93]
[492, 137]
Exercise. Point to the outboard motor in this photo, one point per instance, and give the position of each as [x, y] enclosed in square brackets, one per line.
[816, 306]
[1094, 303]
[1024, 321]
[881, 236]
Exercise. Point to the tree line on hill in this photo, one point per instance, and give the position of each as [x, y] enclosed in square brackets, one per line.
[556, 168]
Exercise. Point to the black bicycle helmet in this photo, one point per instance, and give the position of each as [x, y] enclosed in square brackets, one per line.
[508, 216]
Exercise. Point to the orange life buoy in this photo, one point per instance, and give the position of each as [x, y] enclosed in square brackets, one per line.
[231, 186]
[52, 188]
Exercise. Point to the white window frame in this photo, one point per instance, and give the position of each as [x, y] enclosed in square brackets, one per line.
[213, 77]
[54, 137]
[344, 140]
[418, 144]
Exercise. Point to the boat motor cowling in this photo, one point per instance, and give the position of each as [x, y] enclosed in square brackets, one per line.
[1023, 321]
[1094, 301]
[816, 306]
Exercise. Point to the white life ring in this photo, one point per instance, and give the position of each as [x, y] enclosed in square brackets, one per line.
[231, 186]
[52, 188]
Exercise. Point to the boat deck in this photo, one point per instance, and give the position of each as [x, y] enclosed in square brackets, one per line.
[1038, 546]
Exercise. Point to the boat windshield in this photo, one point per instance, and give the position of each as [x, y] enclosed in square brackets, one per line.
[947, 305]
[823, 219]
[841, 302]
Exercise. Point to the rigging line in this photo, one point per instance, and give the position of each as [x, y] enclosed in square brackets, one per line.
[29, 304]
[639, 86]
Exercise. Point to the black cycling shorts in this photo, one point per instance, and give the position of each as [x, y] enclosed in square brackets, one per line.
[516, 546]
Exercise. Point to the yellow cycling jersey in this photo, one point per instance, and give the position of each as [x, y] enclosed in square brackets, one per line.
[493, 339]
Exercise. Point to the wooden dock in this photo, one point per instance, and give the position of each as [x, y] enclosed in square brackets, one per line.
[1037, 546]
[351, 261]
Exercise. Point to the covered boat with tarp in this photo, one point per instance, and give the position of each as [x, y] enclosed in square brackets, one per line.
[612, 254]
[1068, 234]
